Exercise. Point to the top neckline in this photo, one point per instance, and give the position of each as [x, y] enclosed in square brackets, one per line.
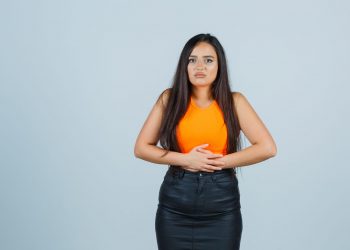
[202, 108]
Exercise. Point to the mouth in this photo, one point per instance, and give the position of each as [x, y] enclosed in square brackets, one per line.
[200, 75]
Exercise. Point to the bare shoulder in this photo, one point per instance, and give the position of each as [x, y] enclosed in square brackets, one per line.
[242, 105]
[238, 97]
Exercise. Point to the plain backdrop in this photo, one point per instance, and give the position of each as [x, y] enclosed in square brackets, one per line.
[78, 79]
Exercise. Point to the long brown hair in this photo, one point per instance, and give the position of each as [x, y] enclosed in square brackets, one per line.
[180, 92]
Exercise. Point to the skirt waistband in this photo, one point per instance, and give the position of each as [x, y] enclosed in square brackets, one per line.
[178, 171]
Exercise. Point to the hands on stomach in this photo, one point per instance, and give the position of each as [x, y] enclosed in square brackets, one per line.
[200, 159]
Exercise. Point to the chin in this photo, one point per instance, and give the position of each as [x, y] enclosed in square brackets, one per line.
[202, 83]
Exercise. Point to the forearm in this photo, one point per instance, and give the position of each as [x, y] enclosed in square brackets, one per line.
[247, 156]
[154, 154]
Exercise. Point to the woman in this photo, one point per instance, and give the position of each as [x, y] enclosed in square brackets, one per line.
[198, 122]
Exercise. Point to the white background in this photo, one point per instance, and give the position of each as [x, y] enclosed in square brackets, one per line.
[78, 79]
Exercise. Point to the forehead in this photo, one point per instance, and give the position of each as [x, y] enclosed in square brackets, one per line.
[203, 49]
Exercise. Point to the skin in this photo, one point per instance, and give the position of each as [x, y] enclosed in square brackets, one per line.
[204, 59]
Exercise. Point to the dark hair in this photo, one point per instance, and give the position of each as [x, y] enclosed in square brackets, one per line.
[180, 92]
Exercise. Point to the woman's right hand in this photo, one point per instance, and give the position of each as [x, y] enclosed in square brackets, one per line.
[198, 161]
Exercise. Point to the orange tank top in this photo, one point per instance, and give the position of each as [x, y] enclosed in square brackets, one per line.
[200, 126]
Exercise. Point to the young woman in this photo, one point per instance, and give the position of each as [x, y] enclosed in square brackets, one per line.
[198, 122]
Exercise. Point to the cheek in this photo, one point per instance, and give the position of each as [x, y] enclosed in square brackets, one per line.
[190, 71]
[213, 71]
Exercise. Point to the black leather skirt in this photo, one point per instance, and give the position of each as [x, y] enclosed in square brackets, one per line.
[199, 211]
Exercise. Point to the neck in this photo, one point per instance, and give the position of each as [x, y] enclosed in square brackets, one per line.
[201, 93]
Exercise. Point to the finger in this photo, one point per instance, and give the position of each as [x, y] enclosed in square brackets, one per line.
[202, 146]
[211, 168]
[214, 156]
[204, 151]
[216, 163]
[215, 169]
[209, 152]
[207, 168]
[191, 169]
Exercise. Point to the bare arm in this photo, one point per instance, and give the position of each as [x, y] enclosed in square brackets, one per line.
[263, 145]
[146, 143]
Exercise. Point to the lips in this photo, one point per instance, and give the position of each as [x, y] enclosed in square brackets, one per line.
[199, 75]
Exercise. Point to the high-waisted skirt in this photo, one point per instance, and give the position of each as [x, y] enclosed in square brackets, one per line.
[199, 210]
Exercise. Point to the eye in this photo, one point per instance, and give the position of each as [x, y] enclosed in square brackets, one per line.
[209, 60]
[191, 60]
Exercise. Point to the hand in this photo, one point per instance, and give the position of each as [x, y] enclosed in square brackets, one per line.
[200, 159]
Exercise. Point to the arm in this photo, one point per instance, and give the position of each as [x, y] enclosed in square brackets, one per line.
[263, 145]
[146, 143]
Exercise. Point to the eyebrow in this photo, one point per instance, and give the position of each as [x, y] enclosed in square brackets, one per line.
[203, 56]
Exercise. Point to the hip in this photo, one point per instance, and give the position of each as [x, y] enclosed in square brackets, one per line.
[199, 193]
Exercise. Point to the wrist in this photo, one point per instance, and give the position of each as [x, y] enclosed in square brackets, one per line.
[184, 159]
[226, 162]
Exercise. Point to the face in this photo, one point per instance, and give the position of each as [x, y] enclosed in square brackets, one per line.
[202, 65]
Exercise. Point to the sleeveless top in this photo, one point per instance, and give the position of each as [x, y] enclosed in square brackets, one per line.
[202, 126]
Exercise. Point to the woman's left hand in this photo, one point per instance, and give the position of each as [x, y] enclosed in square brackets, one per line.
[221, 158]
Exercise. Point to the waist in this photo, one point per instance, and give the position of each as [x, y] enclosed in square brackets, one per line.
[178, 171]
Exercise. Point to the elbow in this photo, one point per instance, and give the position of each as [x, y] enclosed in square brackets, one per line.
[137, 152]
[273, 153]
[271, 150]
[268, 150]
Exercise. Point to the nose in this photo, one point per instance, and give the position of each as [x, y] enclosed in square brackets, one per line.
[199, 64]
